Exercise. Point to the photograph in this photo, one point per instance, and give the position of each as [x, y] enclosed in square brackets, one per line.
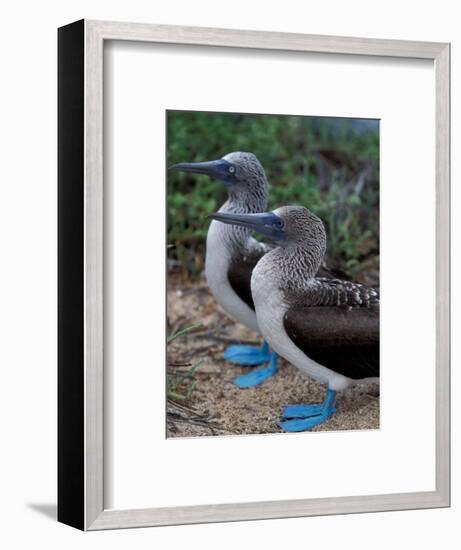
[273, 277]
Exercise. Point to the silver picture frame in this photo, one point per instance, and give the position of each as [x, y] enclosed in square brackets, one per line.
[81, 202]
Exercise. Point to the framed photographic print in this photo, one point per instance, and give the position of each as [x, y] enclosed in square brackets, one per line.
[253, 275]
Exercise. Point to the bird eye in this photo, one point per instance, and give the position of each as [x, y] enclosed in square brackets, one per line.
[231, 169]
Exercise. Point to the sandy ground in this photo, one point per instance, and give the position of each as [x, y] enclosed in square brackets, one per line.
[218, 407]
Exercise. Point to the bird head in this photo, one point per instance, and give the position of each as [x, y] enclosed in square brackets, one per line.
[288, 225]
[240, 172]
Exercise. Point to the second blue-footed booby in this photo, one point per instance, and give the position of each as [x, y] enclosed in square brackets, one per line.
[231, 253]
[327, 328]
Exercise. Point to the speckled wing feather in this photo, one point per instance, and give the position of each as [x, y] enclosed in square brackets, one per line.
[336, 324]
[323, 291]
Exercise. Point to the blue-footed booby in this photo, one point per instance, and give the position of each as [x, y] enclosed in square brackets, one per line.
[231, 253]
[327, 328]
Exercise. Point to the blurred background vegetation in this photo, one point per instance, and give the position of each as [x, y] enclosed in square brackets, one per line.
[329, 165]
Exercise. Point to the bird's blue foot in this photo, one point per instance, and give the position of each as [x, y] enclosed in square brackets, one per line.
[257, 376]
[301, 411]
[305, 417]
[247, 355]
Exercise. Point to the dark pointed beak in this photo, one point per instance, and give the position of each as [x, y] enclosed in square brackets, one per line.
[217, 169]
[266, 223]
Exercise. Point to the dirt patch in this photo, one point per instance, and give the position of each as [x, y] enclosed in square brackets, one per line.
[218, 407]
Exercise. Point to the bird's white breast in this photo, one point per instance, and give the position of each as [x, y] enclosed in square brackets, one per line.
[270, 312]
[217, 262]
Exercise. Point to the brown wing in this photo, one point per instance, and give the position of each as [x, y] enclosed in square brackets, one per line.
[239, 276]
[341, 339]
[329, 272]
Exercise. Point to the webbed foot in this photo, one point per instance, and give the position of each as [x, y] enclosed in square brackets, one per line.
[305, 417]
[257, 376]
[247, 355]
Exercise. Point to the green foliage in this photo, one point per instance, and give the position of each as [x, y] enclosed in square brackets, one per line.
[330, 165]
[181, 387]
[182, 332]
